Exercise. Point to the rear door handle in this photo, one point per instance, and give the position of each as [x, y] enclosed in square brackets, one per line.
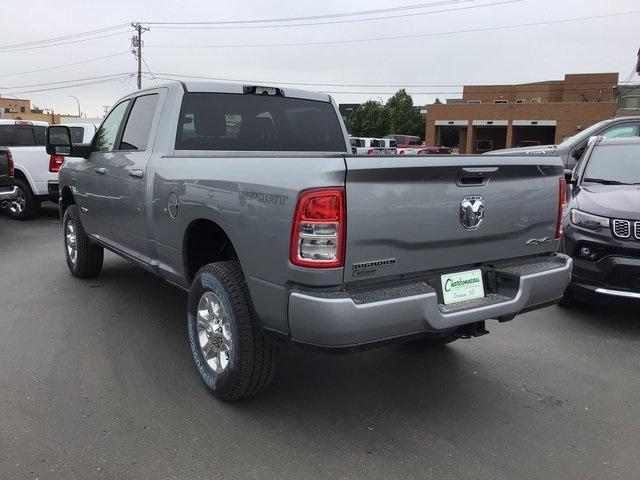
[100, 170]
[136, 173]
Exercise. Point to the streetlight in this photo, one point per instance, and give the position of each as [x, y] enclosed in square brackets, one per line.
[78, 102]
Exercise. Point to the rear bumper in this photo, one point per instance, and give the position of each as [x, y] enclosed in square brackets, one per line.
[8, 193]
[353, 318]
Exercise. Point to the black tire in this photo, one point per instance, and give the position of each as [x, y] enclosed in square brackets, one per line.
[88, 256]
[569, 299]
[26, 206]
[251, 359]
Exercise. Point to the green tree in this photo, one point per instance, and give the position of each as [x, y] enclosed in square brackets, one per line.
[369, 120]
[404, 118]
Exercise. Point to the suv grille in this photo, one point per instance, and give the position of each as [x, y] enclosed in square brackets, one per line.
[622, 228]
[637, 228]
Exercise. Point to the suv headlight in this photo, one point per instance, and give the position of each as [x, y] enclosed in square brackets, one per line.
[587, 220]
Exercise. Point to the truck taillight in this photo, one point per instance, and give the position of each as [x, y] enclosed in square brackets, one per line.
[55, 162]
[10, 166]
[318, 235]
[562, 207]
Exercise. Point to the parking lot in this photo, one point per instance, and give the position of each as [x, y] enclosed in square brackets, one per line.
[97, 382]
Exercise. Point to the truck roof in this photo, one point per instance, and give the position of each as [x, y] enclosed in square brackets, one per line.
[11, 121]
[207, 86]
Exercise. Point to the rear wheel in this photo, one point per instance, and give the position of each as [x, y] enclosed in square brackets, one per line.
[84, 258]
[26, 205]
[231, 353]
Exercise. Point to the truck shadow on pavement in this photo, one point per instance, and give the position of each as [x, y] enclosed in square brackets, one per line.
[401, 376]
[609, 319]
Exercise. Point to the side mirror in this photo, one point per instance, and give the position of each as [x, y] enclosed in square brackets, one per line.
[58, 140]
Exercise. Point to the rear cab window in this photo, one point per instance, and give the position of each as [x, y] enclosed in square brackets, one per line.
[22, 135]
[237, 122]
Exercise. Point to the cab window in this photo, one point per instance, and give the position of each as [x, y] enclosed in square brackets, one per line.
[108, 131]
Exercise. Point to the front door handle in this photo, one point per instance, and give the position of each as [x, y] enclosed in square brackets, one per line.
[136, 173]
[100, 170]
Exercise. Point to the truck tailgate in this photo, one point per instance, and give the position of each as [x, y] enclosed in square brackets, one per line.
[414, 214]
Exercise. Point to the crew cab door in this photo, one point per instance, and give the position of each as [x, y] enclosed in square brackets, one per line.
[91, 176]
[125, 205]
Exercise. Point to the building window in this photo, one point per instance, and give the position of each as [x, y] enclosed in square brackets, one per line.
[536, 100]
[501, 101]
[474, 101]
[484, 145]
[521, 100]
[21, 109]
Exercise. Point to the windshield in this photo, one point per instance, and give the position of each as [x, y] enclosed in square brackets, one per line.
[614, 164]
[583, 135]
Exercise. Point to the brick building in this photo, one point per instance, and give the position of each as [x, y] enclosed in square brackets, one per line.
[491, 117]
[20, 109]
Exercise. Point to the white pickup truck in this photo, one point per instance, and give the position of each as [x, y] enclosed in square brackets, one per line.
[36, 173]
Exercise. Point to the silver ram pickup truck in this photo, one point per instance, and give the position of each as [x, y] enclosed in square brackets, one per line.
[248, 198]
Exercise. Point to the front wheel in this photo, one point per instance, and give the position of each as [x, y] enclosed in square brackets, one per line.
[26, 205]
[231, 353]
[84, 258]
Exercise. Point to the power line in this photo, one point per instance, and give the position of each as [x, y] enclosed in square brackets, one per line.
[64, 43]
[149, 70]
[65, 37]
[399, 37]
[63, 81]
[62, 66]
[334, 22]
[318, 17]
[83, 84]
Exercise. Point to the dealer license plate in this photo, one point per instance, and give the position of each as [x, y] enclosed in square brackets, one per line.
[462, 286]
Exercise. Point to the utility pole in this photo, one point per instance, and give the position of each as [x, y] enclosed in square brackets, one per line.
[136, 48]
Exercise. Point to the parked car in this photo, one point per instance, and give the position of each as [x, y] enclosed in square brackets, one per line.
[370, 146]
[413, 145]
[36, 173]
[406, 141]
[574, 147]
[602, 231]
[8, 190]
[280, 235]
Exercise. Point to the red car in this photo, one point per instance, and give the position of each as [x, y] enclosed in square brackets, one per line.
[410, 144]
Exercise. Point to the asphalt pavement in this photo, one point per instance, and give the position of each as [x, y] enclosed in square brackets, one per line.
[97, 382]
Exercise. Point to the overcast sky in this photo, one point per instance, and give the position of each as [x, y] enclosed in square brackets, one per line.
[517, 55]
